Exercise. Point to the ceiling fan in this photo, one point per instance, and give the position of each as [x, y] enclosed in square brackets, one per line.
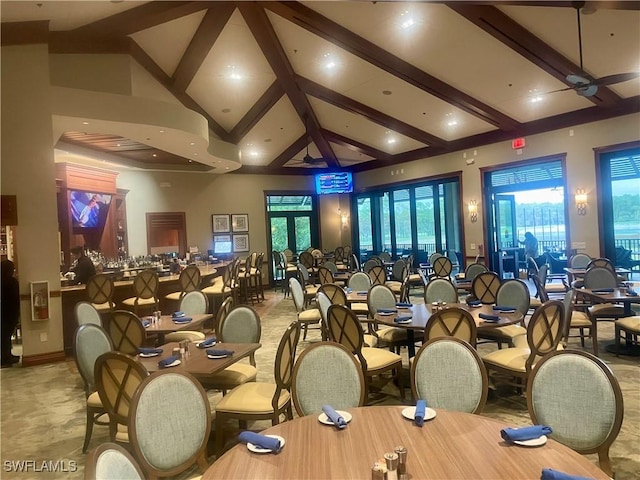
[308, 160]
[584, 85]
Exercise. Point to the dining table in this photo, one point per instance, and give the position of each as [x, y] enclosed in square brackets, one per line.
[578, 273]
[196, 361]
[168, 324]
[420, 314]
[452, 445]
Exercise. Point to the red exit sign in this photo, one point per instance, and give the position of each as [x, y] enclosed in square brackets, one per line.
[518, 143]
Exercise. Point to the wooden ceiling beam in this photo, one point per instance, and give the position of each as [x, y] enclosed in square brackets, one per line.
[317, 24]
[205, 37]
[259, 109]
[355, 145]
[140, 18]
[594, 4]
[342, 101]
[261, 28]
[515, 36]
[289, 152]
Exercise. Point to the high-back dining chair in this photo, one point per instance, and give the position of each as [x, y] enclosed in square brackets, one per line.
[579, 260]
[110, 461]
[378, 275]
[442, 267]
[381, 296]
[511, 293]
[192, 303]
[360, 282]
[100, 289]
[325, 275]
[89, 342]
[306, 317]
[584, 415]
[326, 373]
[169, 424]
[334, 293]
[452, 322]
[261, 400]
[448, 373]
[117, 379]
[145, 287]
[87, 313]
[485, 287]
[188, 281]
[126, 332]
[473, 270]
[438, 289]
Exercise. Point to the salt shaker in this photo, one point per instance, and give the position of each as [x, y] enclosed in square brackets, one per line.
[402, 460]
[378, 471]
[392, 465]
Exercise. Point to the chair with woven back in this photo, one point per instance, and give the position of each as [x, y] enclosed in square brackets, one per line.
[452, 322]
[127, 332]
[188, 281]
[170, 424]
[325, 275]
[326, 373]
[89, 342]
[145, 287]
[307, 317]
[442, 267]
[512, 293]
[85, 312]
[262, 400]
[378, 275]
[306, 259]
[100, 289]
[221, 288]
[544, 332]
[585, 416]
[344, 328]
[111, 461]
[192, 303]
[440, 289]
[118, 376]
[485, 287]
[448, 373]
[241, 325]
[334, 292]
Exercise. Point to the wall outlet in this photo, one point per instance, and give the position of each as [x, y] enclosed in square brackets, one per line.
[44, 337]
[473, 246]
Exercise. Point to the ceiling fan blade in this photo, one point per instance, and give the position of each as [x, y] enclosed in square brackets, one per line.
[617, 78]
[560, 90]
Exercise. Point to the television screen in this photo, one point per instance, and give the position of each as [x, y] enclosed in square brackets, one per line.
[222, 244]
[88, 210]
[340, 182]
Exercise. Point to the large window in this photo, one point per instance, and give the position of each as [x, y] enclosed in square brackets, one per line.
[421, 218]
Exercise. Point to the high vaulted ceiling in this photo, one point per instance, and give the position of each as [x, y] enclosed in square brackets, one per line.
[373, 83]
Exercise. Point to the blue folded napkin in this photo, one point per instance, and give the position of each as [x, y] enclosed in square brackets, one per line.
[404, 304]
[167, 361]
[207, 342]
[487, 317]
[524, 433]
[503, 308]
[146, 323]
[387, 310]
[632, 293]
[177, 314]
[474, 303]
[182, 320]
[602, 290]
[550, 474]
[149, 351]
[349, 290]
[219, 352]
[418, 417]
[402, 318]
[334, 416]
[362, 292]
[261, 441]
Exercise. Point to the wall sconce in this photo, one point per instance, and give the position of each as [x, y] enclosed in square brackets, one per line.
[472, 207]
[581, 201]
[344, 220]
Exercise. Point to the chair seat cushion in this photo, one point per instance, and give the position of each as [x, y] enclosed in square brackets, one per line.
[94, 401]
[122, 434]
[311, 315]
[394, 285]
[190, 335]
[534, 302]
[360, 308]
[252, 397]
[511, 358]
[370, 340]
[580, 319]
[555, 287]
[415, 278]
[231, 377]
[606, 310]
[311, 290]
[216, 289]
[507, 332]
[141, 301]
[391, 334]
[173, 296]
[629, 324]
[102, 307]
[378, 358]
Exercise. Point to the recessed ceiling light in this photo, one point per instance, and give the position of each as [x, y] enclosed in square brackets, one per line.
[195, 154]
[192, 143]
[452, 123]
[226, 168]
[85, 123]
[387, 92]
[117, 144]
[190, 161]
[328, 62]
[391, 141]
[161, 131]
[154, 155]
[406, 20]
[536, 99]
[267, 140]
[233, 73]
[226, 110]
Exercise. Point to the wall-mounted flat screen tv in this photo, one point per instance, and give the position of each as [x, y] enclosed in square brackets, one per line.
[88, 209]
[339, 182]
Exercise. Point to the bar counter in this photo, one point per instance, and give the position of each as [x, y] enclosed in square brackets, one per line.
[124, 289]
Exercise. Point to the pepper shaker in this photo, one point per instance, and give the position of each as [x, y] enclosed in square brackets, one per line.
[392, 465]
[402, 460]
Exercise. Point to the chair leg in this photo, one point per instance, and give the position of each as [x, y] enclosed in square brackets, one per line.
[219, 444]
[594, 335]
[617, 337]
[605, 463]
[88, 430]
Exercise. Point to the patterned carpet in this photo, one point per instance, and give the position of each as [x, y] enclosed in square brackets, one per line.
[43, 412]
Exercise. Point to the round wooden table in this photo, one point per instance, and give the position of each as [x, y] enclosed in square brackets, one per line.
[453, 445]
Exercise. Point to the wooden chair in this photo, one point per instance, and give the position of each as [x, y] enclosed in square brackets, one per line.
[326, 373]
[601, 277]
[511, 293]
[310, 289]
[306, 317]
[117, 379]
[188, 281]
[585, 416]
[221, 288]
[473, 270]
[89, 342]
[169, 424]
[381, 296]
[378, 275]
[126, 332]
[87, 313]
[575, 319]
[192, 303]
[440, 289]
[261, 400]
[485, 287]
[344, 328]
[442, 267]
[452, 322]
[100, 288]
[448, 373]
[145, 287]
[110, 461]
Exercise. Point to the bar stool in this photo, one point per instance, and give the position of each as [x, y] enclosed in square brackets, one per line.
[100, 290]
[145, 287]
[189, 281]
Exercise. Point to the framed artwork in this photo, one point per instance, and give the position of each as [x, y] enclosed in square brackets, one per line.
[220, 223]
[39, 301]
[240, 222]
[241, 243]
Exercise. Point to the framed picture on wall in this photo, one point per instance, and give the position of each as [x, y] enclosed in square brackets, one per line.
[220, 223]
[240, 243]
[39, 301]
[240, 222]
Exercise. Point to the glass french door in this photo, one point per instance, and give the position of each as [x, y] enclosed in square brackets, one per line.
[505, 221]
